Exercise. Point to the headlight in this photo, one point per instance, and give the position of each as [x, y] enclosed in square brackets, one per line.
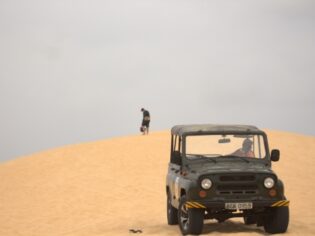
[206, 184]
[269, 182]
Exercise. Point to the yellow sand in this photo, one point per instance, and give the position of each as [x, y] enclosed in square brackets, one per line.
[111, 186]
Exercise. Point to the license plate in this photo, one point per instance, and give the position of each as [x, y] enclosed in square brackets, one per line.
[239, 205]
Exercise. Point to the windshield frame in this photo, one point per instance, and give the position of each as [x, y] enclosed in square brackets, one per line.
[265, 141]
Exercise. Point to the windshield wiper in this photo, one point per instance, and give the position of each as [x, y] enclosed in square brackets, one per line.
[239, 157]
[205, 158]
[212, 159]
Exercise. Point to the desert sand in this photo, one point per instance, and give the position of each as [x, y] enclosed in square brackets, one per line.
[108, 187]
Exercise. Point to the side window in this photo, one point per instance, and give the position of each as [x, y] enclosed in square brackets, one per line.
[173, 143]
[177, 144]
[176, 150]
[259, 147]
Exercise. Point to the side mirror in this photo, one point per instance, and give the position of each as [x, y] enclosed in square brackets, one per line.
[275, 155]
[176, 158]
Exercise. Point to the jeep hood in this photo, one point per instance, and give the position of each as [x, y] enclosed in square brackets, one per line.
[230, 167]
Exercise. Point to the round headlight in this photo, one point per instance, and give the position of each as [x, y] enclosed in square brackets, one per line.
[269, 182]
[206, 184]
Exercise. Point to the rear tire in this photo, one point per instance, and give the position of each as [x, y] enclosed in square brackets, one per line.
[172, 212]
[190, 219]
[277, 220]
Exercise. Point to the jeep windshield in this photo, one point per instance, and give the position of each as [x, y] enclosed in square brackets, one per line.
[226, 146]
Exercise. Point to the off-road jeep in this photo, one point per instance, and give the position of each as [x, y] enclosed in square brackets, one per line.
[223, 171]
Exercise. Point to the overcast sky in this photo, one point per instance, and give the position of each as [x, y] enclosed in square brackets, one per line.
[78, 71]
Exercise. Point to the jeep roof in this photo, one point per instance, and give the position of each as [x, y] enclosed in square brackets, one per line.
[214, 129]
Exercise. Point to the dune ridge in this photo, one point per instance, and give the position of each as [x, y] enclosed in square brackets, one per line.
[110, 186]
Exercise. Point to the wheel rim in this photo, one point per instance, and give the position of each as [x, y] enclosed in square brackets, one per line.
[184, 219]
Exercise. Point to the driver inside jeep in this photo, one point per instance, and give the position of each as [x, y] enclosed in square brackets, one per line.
[245, 150]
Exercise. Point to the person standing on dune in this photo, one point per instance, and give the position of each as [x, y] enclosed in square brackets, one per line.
[145, 121]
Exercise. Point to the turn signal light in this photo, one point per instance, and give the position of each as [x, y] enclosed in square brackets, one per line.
[272, 192]
[202, 193]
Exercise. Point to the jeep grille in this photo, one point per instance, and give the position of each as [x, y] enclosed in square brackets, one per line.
[237, 185]
[237, 178]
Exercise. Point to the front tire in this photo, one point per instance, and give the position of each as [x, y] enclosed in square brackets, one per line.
[171, 211]
[250, 220]
[190, 219]
[277, 220]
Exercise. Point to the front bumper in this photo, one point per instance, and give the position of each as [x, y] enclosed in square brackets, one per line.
[221, 204]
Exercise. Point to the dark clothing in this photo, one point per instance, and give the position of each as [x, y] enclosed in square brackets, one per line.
[146, 118]
[146, 113]
[146, 123]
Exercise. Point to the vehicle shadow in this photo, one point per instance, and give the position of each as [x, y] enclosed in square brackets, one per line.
[231, 227]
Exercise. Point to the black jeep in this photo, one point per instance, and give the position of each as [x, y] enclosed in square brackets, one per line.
[223, 171]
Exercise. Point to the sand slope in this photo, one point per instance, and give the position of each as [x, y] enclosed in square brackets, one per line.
[111, 186]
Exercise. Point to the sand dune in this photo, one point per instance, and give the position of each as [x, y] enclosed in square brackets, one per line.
[111, 186]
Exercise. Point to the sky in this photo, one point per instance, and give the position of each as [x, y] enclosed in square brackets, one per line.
[80, 71]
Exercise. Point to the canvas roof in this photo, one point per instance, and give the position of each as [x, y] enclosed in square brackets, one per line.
[215, 129]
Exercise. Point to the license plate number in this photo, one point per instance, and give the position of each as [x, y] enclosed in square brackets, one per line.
[239, 205]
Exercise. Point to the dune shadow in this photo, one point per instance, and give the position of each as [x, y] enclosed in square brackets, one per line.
[210, 227]
[231, 227]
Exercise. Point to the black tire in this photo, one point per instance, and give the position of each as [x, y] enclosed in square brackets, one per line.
[190, 219]
[172, 212]
[250, 220]
[277, 220]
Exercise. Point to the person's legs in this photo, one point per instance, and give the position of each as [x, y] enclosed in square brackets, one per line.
[143, 129]
[147, 127]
